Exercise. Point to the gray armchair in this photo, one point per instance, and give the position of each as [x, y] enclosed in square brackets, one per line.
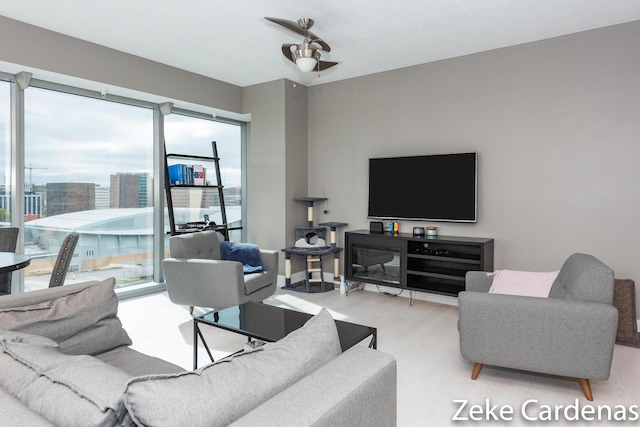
[570, 334]
[196, 276]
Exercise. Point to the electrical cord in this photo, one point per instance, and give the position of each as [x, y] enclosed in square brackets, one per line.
[389, 293]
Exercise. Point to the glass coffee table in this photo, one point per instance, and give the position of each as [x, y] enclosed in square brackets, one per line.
[270, 323]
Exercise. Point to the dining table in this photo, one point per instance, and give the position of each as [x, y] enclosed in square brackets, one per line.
[10, 261]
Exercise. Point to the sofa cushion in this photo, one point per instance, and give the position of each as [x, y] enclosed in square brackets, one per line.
[135, 363]
[234, 386]
[20, 337]
[256, 281]
[246, 253]
[524, 283]
[64, 389]
[81, 318]
[13, 413]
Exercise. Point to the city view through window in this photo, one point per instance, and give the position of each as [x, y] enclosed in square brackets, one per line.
[89, 168]
[5, 138]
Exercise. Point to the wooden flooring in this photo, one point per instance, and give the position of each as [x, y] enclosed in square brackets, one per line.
[423, 338]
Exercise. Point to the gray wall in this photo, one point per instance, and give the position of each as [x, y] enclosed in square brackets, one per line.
[41, 49]
[556, 125]
[266, 162]
[276, 163]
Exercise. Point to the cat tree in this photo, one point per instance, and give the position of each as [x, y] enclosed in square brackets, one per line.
[312, 245]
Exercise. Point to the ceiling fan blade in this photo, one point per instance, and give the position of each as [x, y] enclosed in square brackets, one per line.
[323, 45]
[290, 25]
[323, 65]
[286, 51]
[295, 27]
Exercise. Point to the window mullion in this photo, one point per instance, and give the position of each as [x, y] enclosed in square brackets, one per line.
[17, 171]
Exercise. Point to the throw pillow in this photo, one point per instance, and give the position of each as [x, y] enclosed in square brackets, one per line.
[66, 390]
[523, 283]
[81, 319]
[246, 253]
[235, 386]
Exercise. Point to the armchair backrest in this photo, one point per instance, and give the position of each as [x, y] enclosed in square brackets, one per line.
[584, 278]
[199, 245]
[8, 243]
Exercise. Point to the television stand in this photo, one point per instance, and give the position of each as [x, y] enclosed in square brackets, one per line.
[434, 264]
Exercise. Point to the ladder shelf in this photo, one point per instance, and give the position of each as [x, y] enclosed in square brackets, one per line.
[204, 224]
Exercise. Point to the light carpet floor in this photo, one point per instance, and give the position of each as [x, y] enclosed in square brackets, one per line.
[423, 338]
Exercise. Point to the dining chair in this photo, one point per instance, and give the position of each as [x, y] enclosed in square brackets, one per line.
[65, 254]
[8, 242]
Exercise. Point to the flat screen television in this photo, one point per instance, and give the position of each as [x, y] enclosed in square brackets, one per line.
[441, 187]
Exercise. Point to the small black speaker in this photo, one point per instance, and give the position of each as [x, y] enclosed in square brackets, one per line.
[376, 227]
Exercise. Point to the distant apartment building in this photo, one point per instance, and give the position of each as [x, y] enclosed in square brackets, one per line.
[102, 197]
[146, 190]
[66, 197]
[130, 190]
[124, 190]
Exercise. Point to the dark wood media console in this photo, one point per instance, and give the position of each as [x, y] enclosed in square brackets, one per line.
[418, 263]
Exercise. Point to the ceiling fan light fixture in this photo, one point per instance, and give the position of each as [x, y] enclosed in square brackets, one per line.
[306, 64]
[306, 56]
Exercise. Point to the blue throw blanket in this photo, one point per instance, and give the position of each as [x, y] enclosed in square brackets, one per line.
[246, 253]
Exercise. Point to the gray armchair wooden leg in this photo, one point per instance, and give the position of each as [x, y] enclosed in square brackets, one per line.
[586, 388]
[476, 370]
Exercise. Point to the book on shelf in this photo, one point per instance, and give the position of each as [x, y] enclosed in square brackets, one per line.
[181, 174]
[198, 175]
[178, 174]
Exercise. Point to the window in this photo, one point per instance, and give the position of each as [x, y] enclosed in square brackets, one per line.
[5, 149]
[88, 168]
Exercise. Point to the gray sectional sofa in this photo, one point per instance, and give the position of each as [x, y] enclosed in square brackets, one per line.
[65, 360]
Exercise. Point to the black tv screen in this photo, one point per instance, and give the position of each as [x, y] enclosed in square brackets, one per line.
[440, 187]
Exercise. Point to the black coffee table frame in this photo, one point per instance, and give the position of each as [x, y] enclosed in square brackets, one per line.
[270, 323]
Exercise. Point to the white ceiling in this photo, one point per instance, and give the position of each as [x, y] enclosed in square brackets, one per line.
[231, 41]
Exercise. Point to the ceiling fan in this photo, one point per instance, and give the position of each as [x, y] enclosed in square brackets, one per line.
[305, 55]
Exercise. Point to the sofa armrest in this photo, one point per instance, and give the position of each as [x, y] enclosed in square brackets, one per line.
[546, 335]
[269, 260]
[478, 281]
[324, 398]
[204, 282]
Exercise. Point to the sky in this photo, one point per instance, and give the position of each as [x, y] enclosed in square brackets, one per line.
[70, 138]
